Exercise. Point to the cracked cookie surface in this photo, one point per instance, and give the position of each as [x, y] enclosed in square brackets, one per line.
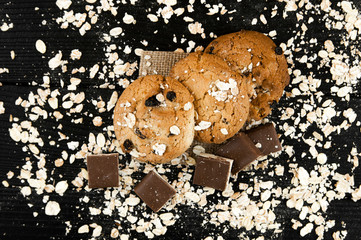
[221, 101]
[154, 119]
[254, 54]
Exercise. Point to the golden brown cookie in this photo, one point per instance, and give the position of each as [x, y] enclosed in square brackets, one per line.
[221, 100]
[154, 119]
[253, 53]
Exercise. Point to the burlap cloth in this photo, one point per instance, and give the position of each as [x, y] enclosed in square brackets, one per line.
[160, 62]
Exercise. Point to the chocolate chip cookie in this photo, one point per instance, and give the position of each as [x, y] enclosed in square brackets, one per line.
[154, 119]
[254, 54]
[221, 101]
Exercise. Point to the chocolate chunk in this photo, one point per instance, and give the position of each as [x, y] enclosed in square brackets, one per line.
[212, 171]
[210, 50]
[265, 138]
[103, 170]
[154, 191]
[241, 149]
[152, 102]
[139, 134]
[171, 96]
[128, 145]
[278, 50]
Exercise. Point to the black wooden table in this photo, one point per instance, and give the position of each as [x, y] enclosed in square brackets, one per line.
[33, 20]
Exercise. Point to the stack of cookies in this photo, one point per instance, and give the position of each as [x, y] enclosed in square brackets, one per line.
[209, 96]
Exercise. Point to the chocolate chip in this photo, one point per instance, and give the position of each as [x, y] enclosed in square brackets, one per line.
[171, 96]
[278, 50]
[139, 133]
[152, 102]
[128, 145]
[246, 73]
[210, 51]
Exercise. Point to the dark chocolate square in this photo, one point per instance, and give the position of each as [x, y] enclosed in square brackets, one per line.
[265, 138]
[241, 149]
[212, 171]
[103, 170]
[154, 191]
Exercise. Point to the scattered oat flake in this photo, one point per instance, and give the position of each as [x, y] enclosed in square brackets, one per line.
[56, 61]
[152, 17]
[306, 229]
[97, 121]
[93, 70]
[83, 229]
[26, 191]
[4, 70]
[40, 46]
[5, 183]
[114, 233]
[192, 196]
[321, 158]
[128, 19]
[303, 176]
[2, 109]
[195, 28]
[97, 231]
[52, 208]
[61, 187]
[132, 201]
[101, 140]
[63, 4]
[116, 31]
[198, 149]
[75, 54]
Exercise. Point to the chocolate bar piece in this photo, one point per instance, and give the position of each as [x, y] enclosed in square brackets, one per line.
[265, 138]
[103, 170]
[241, 149]
[212, 171]
[154, 191]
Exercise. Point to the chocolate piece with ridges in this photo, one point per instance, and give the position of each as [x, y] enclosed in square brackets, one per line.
[103, 170]
[212, 171]
[265, 138]
[154, 191]
[241, 149]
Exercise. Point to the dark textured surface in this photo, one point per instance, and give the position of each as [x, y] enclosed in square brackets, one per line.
[28, 68]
